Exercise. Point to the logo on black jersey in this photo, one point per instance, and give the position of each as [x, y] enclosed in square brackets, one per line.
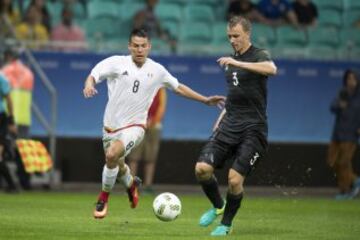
[125, 73]
[254, 158]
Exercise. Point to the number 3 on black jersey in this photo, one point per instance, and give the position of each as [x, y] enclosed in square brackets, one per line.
[235, 79]
[136, 86]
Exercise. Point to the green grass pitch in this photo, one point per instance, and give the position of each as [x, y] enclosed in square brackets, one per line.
[68, 216]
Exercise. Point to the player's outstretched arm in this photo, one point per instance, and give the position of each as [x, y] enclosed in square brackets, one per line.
[265, 68]
[89, 88]
[187, 92]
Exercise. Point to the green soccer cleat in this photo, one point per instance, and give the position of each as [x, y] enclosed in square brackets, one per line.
[209, 216]
[221, 230]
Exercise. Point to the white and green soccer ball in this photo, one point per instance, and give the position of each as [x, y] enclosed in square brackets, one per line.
[167, 206]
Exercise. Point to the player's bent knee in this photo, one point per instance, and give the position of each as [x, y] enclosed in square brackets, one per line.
[203, 170]
[235, 182]
[112, 158]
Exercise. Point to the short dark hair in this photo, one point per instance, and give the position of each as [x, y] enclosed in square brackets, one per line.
[244, 22]
[347, 74]
[139, 32]
[11, 50]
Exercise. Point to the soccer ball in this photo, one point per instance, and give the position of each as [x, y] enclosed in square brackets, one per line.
[167, 206]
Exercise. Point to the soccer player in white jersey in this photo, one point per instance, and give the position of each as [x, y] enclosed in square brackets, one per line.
[132, 83]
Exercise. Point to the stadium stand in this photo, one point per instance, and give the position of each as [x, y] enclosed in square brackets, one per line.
[181, 17]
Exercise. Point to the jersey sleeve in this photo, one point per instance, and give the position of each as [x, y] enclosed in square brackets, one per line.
[263, 56]
[169, 80]
[106, 68]
[4, 85]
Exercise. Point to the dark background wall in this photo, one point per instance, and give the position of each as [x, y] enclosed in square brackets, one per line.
[81, 160]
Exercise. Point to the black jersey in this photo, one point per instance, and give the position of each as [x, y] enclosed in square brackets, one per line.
[247, 92]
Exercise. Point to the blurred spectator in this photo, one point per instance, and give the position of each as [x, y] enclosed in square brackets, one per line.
[32, 30]
[278, 12]
[21, 81]
[8, 10]
[44, 12]
[346, 108]
[6, 125]
[306, 12]
[146, 19]
[8, 14]
[149, 147]
[67, 34]
[246, 9]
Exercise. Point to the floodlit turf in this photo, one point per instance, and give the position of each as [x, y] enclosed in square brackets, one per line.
[69, 216]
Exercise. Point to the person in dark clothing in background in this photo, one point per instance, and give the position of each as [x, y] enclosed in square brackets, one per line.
[346, 108]
[247, 9]
[147, 19]
[306, 12]
[6, 124]
[21, 80]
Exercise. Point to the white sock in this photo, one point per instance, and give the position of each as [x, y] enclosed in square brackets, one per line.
[109, 178]
[126, 179]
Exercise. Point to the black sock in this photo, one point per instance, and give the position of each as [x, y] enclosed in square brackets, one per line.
[211, 189]
[4, 171]
[233, 203]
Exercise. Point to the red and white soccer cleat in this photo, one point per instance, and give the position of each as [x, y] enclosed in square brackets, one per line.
[133, 192]
[100, 209]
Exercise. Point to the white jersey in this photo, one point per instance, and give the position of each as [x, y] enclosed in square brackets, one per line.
[131, 89]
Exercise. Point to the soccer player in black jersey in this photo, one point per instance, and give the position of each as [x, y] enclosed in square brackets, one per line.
[240, 133]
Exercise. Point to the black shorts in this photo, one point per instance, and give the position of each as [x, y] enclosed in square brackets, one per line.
[3, 128]
[246, 152]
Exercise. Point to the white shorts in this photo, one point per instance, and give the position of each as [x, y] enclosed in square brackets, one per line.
[130, 137]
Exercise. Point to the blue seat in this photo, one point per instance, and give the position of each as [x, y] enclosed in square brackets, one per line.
[330, 18]
[167, 12]
[55, 10]
[290, 37]
[322, 53]
[263, 35]
[324, 37]
[219, 34]
[103, 9]
[212, 3]
[199, 12]
[337, 5]
[103, 28]
[350, 37]
[128, 10]
[352, 17]
[353, 4]
[79, 10]
[220, 42]
[195, 38]
[196, 32]
[172, 27]
[177, 2]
